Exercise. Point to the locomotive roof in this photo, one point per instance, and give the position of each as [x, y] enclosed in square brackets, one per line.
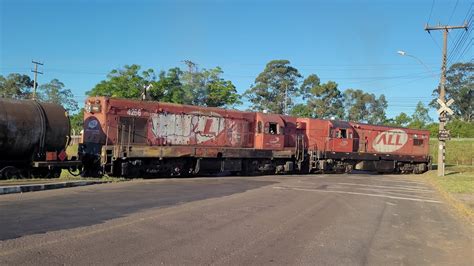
[335, 123]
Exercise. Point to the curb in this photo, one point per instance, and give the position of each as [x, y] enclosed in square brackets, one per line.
[39, 187]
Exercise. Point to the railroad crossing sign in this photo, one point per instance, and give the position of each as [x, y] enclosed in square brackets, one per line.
[445, 107]
[444, 135]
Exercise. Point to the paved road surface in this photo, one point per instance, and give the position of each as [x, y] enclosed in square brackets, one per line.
[279, 220]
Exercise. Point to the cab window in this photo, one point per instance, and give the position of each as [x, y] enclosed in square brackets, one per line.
[418, 142]
[259, 127]
[343, 133]
[273, 128]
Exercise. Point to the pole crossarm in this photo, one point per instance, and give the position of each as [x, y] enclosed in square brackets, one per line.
[446, 27]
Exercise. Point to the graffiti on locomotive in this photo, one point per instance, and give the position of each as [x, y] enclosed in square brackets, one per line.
[192, 128]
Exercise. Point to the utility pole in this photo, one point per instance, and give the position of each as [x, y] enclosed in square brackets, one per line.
[36, 76]
[443, 134]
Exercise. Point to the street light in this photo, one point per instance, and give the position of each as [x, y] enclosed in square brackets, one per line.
[403, 53]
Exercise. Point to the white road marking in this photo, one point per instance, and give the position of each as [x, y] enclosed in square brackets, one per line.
[393, 193]
[388, 187]
[394, 190]
[357, 193]
[388, 179]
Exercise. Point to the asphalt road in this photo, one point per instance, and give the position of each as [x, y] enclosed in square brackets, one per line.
[280, 220]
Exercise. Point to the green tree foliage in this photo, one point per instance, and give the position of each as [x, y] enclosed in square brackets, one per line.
[456, 127]
[325, 99]
[364, 107]
[218, 92]
[54, 92]
[168, 88]
[204, 88]
[401, 120]
[420, 117]
[302, 110]
[126, 82]
[460, 129]
[377, 107]
[77, 121]
[278, 82]
[16, 86]
[460, 88]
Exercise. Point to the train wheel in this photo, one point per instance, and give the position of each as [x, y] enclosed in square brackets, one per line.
[10, 172]
[75, 171]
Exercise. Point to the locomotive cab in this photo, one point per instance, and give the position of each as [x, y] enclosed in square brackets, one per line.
[269, 133]
[341, 136]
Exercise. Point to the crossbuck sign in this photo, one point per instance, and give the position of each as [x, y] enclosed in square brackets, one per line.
[445, 107]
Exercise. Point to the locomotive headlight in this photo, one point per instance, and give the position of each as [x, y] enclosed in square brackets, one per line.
[93, 108]
[92, 124]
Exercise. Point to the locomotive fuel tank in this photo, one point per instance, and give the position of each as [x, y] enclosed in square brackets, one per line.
[29, 128]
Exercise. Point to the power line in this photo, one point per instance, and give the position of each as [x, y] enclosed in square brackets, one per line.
[431, 12]
[452, 13]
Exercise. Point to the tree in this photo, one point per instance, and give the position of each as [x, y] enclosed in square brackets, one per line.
[365, 107]
[377, 110]
[77, 121]
[218, 92]
[420, 118]
[168, 88]
[54, 92]
[401, 120]
[325, 99]
[126, 82]
[460, 88]
[206, 87]
[195, 87]
[302, 110]
[461, 129]
[274, 88]
[16, 86]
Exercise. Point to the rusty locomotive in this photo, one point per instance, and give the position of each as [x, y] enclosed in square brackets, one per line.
[142, 138]
[33, 139]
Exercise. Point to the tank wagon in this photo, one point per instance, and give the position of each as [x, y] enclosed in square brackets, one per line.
[33, 138]
[142, 138]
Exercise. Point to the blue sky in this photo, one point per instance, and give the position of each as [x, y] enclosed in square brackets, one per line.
[351, 42]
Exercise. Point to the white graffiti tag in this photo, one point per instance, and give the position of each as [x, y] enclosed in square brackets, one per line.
[187, 128]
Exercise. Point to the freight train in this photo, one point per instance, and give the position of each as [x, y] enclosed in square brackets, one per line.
[33, 139]
[132, 138]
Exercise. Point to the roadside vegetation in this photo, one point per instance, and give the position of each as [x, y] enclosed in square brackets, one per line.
[458, 151]
[456, 187]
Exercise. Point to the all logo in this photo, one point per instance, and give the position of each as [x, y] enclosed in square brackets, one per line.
[390, 141]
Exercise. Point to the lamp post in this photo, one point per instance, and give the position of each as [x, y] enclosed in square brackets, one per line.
[403, 53]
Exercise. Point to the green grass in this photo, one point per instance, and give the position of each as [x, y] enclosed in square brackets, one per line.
[458, 151]
[456, 187]
[458, 179]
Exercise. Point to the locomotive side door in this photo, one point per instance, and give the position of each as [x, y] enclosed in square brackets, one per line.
[132, 130]
[341, 139]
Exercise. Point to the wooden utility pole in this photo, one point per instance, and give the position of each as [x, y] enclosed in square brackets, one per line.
[36, 76]
[443, 134]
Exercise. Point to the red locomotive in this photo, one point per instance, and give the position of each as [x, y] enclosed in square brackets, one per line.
[143, 138]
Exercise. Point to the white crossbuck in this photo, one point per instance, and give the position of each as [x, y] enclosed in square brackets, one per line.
[445, 106]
